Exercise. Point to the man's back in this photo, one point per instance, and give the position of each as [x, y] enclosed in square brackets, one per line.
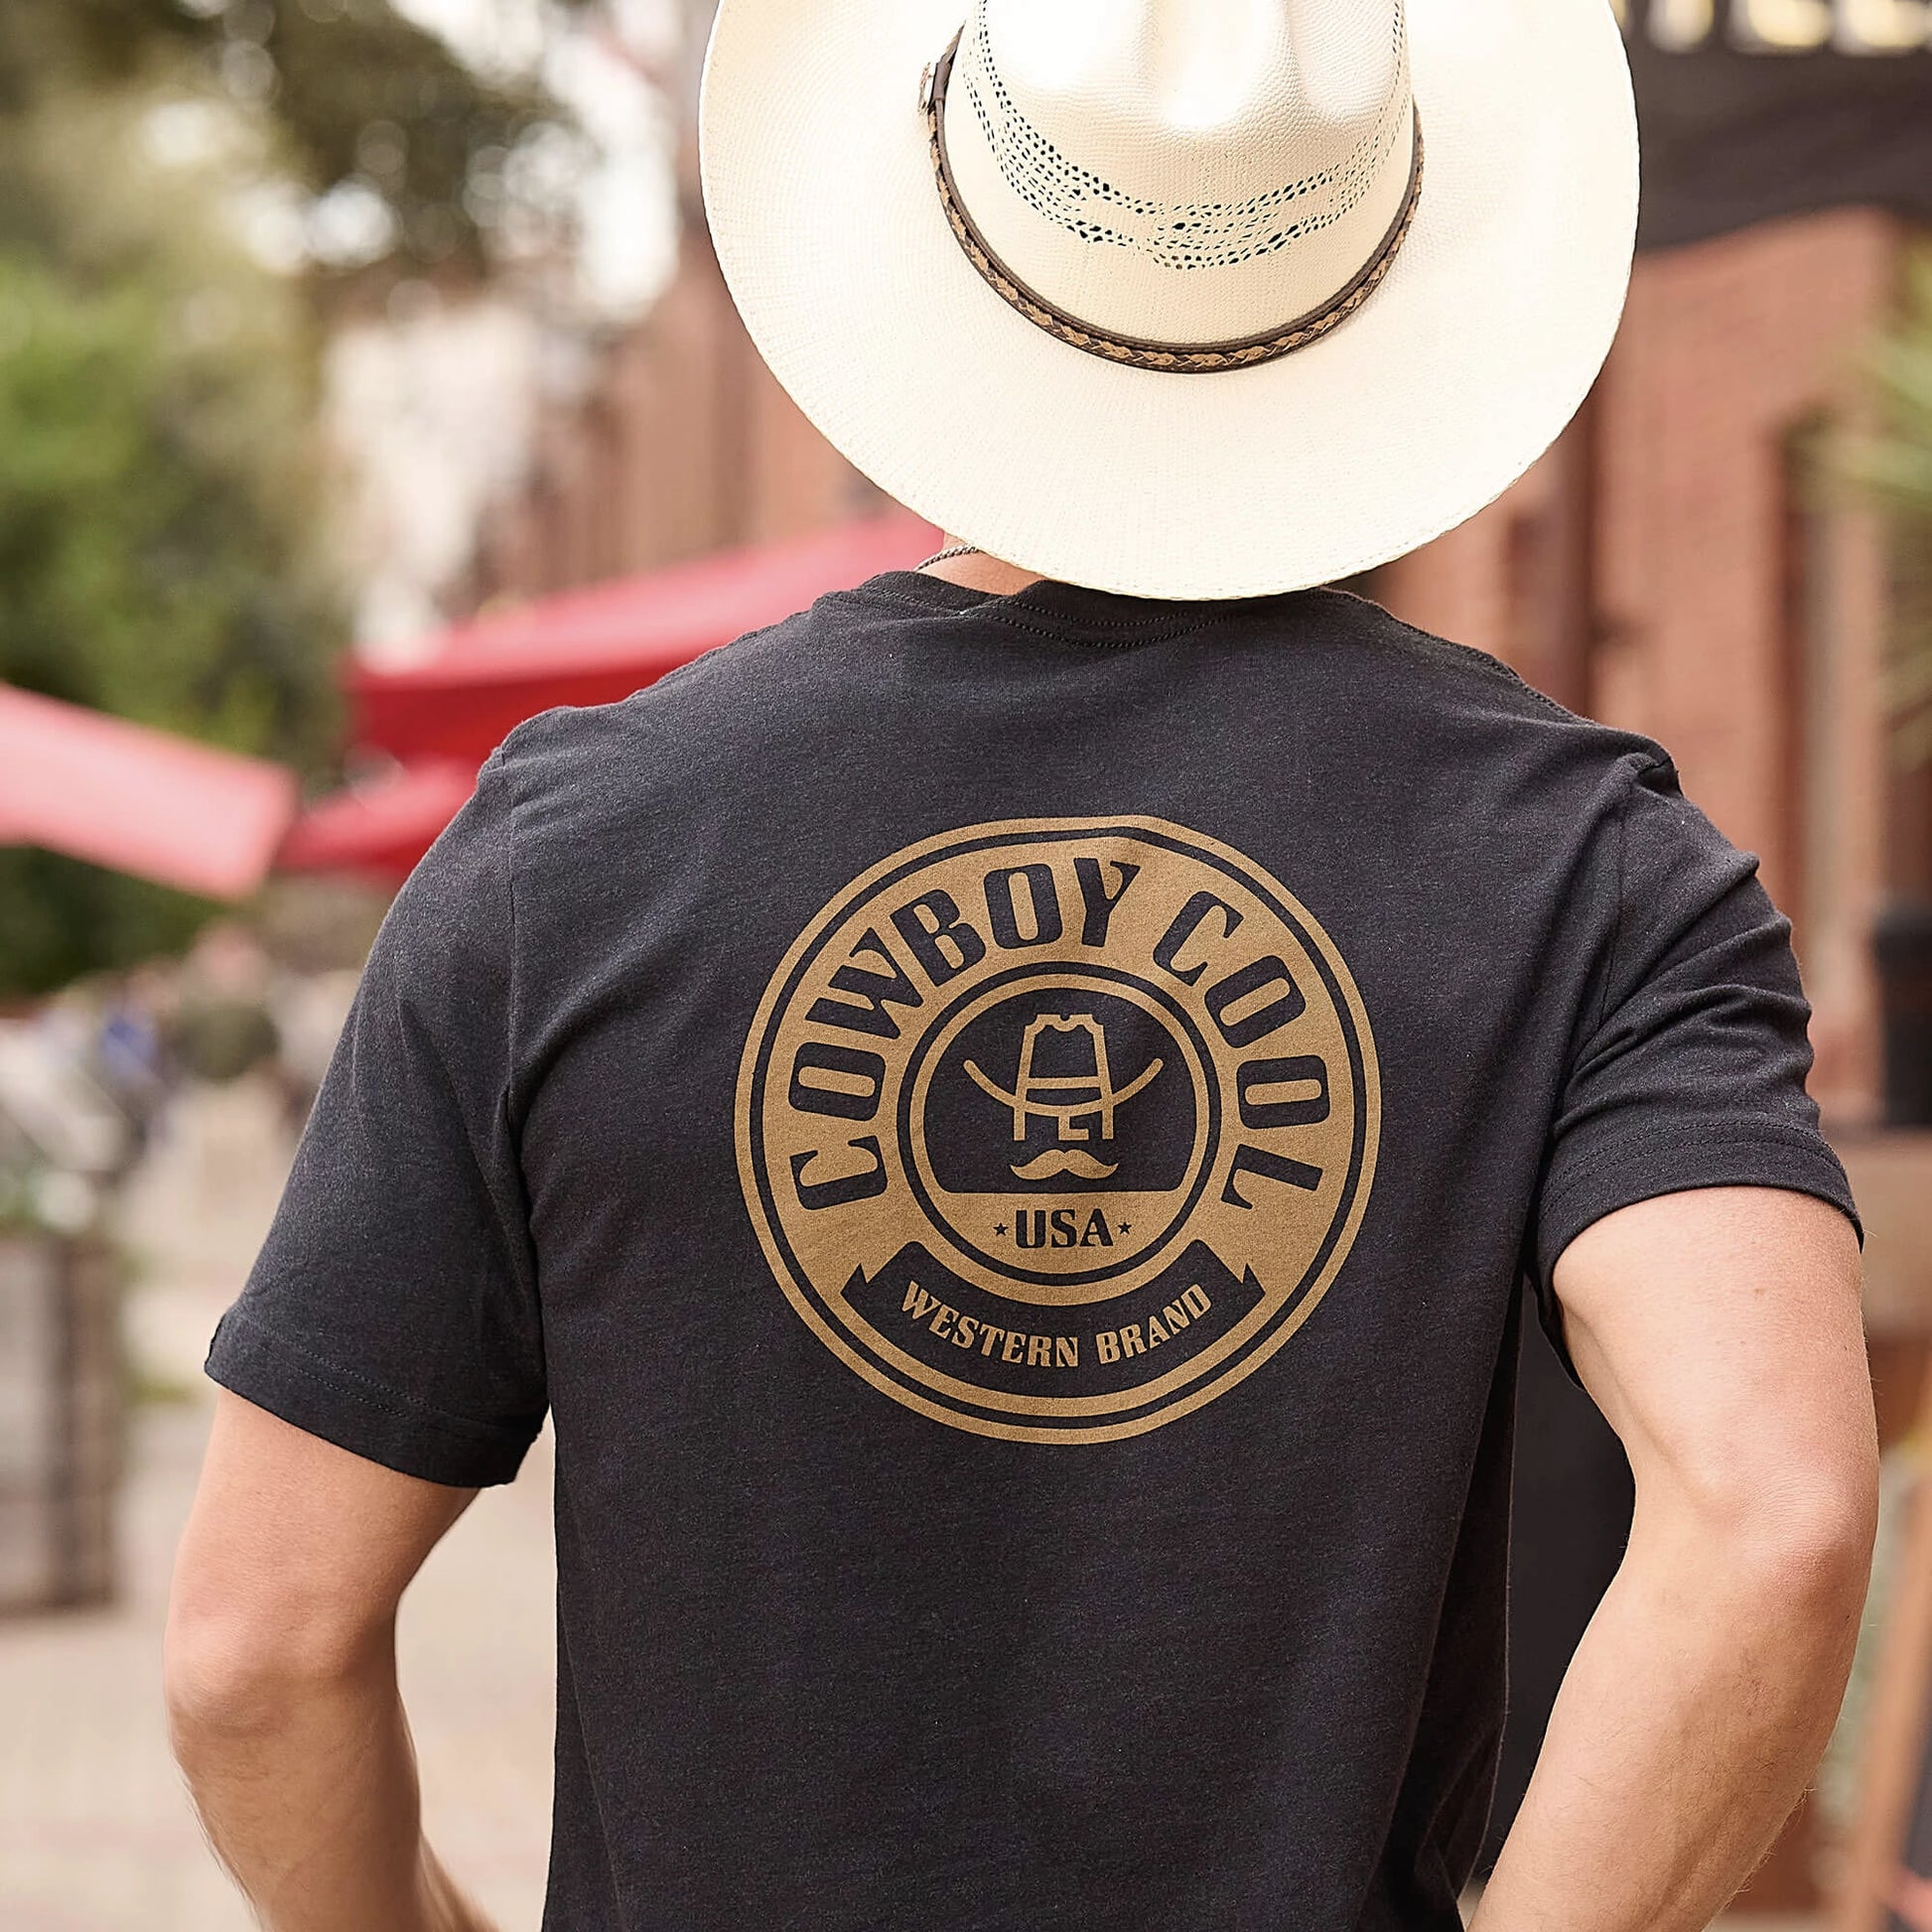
[1004, 1131]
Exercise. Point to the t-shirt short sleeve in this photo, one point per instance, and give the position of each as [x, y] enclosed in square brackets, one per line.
[1691, 1071]
[393, 1309]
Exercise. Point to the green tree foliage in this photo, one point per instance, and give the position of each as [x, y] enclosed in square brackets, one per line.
[357, 96]
[1899, 464]
[159, 494]
[1897, 468]
[159, 498]
[163, 513]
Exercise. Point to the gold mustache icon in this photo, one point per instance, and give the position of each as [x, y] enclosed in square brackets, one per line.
[1057, 1159]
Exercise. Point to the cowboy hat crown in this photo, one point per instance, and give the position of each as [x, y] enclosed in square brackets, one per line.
[1182, 172]
[1178, 298]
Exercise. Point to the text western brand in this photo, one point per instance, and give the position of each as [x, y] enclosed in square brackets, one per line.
[1054, 1130]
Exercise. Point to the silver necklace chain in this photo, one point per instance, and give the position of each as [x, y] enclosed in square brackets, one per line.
[944, 556]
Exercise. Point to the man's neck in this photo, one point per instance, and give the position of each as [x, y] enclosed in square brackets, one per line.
[976, 571]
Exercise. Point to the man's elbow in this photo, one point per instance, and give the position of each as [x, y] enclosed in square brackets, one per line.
[1800, 1535]
[237, 1669]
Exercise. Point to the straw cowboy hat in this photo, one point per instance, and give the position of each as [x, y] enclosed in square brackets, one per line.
[1178, 298]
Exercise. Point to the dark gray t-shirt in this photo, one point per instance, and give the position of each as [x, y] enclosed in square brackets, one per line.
[1005, 1132]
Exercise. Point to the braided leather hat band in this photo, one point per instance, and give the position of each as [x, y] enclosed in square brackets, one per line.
[1133, 353]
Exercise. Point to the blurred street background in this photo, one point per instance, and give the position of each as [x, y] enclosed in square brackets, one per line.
[95, 1830]
[368, 385]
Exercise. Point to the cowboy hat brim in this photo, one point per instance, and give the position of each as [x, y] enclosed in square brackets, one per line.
[1422, 407]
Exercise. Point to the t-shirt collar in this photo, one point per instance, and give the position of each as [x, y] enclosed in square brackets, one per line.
[1072, 609]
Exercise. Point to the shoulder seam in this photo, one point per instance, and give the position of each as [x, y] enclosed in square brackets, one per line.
[527, 728]
[1449, 653]
[516, 800]
[519, 1241]
[1633, 778]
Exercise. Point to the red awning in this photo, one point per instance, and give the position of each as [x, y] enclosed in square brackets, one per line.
[599, 644]
[444, 715]
[383, 826]
[139, 801]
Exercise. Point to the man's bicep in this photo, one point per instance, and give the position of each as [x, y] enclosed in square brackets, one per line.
[292, 1534]
[1719, 1332]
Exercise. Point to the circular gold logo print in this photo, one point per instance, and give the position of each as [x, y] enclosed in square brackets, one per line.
[1055, 1129]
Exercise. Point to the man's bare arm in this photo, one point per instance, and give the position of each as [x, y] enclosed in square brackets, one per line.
[281, 1679]
[1720, 1333]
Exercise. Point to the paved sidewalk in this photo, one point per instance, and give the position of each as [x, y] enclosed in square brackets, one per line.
[96, 1833]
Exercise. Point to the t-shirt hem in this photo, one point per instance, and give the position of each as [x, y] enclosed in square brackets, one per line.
[345, 1408]
[1693, 1155]
[1696, 1154]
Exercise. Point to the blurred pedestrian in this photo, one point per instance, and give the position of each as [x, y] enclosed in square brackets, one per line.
[1002, 1116]
[307, 1010]
[131, 1061]
[222, 1027]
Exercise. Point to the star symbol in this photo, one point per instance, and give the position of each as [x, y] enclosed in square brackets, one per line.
[1123, 1227]
[999, 1227]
